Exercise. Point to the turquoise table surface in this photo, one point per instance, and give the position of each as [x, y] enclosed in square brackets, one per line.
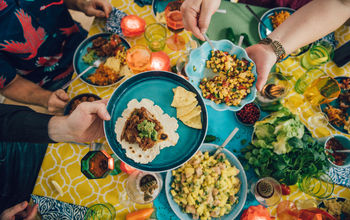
[221, 123]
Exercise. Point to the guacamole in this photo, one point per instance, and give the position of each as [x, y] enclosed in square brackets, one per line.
[146, 130]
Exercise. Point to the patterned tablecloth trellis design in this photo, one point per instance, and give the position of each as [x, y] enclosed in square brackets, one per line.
[62, 160]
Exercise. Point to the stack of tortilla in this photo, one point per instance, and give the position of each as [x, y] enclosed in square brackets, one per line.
[187, 108]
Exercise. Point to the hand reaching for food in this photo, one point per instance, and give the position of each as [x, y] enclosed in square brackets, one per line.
[57, 100]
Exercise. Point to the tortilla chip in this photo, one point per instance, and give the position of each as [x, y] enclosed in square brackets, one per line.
[182, 97]
[196, 111]
[181, 111]
[194, 122]
[113, 63]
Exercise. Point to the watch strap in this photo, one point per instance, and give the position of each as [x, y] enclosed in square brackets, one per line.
[276, 47]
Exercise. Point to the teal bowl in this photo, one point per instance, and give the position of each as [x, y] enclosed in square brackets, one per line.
[242, 193]
[196, 70]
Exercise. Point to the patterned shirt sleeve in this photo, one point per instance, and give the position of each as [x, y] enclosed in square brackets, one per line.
[7, 72]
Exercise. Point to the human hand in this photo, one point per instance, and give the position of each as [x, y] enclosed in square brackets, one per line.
[98, 8]
[21, 210]
[197, 14]
[57, 100]
[84, 124]
[264, 59]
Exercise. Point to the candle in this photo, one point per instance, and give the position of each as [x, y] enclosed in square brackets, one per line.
[160, 61]
[132, 26]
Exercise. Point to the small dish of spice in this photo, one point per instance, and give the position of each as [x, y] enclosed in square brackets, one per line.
[333, 145]
[249, 114]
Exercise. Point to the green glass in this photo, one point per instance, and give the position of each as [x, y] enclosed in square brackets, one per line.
[104, 211]
[117, 169]
[307, 78]
[317, 55]
[96, 163]
[155, 35]
[320, 186]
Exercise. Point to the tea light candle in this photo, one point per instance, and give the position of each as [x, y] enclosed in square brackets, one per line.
[160, 61]
[132, 26]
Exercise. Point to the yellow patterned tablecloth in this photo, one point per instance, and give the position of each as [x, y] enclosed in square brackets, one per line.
[62, 161]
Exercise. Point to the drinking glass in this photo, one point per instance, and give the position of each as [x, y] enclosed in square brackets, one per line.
[322, 90]
[267, 191]
[138, 58]
[175, 24]
[320, 186]
[155, 35]
[319, 53]
[277, 87]
[143, 187]
[104, 211]
[307, 78]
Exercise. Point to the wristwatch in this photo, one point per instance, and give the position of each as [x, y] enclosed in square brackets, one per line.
[276, 47]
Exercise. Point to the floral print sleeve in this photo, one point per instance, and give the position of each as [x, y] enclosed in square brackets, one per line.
[7, 72]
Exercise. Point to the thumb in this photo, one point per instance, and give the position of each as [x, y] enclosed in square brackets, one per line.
[204, 21]
[11, 212]
[61, 94]
[98, 108]
[262, 78]
[97, 13]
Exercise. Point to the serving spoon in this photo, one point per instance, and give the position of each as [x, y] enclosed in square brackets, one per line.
[228, 139]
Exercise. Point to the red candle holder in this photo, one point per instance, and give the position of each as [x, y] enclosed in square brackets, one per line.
[132, 26]
[160, 61]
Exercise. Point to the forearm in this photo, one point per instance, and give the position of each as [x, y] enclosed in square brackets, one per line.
[21, 124]
[311, 22]
[58, 129]
[25, 91]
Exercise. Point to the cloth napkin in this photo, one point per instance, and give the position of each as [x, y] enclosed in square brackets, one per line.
[340, 176]
[54, 209]
[113, 21]
[295, 4]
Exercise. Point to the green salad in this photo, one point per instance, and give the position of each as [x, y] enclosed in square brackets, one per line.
[275, 131]
[283, 149]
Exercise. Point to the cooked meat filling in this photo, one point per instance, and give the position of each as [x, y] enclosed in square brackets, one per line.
[142, 128]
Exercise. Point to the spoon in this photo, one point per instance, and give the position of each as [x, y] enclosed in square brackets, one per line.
[342, 151]
[228, 139]
[209, 41]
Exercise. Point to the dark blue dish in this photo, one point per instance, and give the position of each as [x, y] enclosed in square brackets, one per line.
[79, 65]
[156, 86]
[335, 104]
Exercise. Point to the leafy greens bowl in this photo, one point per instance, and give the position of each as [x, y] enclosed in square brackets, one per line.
[196, 71]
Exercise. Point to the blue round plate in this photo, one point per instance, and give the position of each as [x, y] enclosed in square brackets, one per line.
[196, 70]
[79, 65]
[156, 86]
[267, 21]
[335, 104]
[242, 194]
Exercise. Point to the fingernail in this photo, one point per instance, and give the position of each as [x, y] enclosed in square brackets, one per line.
[24, 204]
[107, 116]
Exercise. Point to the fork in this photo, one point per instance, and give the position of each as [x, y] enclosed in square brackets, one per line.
[267, 30]
[95, 64]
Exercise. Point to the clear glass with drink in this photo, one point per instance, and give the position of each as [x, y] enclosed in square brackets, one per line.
[322, 90]
[143, 187]
[277, 87]
[155, 35]
[267, 191]
[100, 211]
[175, 24]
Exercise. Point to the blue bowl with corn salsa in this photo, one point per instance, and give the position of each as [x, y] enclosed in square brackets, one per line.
[235, 87]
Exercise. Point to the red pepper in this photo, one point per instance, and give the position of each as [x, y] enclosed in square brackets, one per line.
[285, 189]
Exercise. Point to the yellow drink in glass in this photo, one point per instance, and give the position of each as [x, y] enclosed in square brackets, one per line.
[155, 35]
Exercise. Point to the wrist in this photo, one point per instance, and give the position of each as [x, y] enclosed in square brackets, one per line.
[274, 46]
[59, 130]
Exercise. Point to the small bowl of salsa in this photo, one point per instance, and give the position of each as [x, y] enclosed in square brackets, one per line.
[332, 145]
[75, 101]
